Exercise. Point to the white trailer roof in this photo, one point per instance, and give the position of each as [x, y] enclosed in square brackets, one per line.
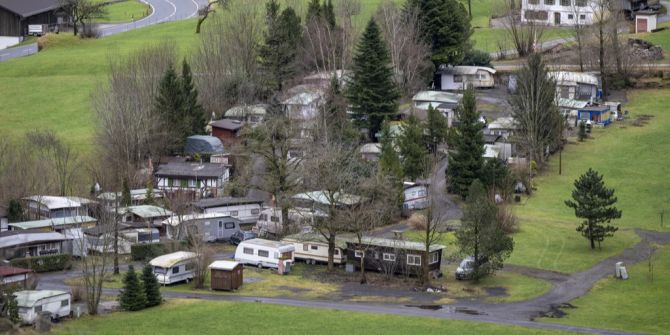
[170, 260]
[283, 247]
[223, 265]
[29, 298]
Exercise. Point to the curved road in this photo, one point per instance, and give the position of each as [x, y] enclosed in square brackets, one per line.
[161, 11]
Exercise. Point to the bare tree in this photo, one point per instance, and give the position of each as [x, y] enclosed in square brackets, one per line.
[204, 256]
[60, 156]
[210, 8]
[95, 266]
[579, 32]
[524, 36]
[600, 18]
[410, 54]
[81, 11]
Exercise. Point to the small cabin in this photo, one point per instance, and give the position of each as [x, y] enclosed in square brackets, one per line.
[226, 275]
[600, 115]
[31, 303]
[394, 256]
[10, 275]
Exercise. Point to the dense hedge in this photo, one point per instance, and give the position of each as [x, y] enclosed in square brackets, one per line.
[145, 252]
[44, 263]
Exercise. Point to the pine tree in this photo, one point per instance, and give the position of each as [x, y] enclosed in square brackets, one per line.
[328, 11]
[313, 10]
[437, 129]
[372, 92]
[15, 211]
[126, 199]
[193, 115]
[595, 203]
[151, 287]
[170, 105]
[389, 162]
[278, 53]
[445, 24]
[467, 147]
[132, 297]
[413, 152]
[480, 236]
[149, 198]
[13, 309]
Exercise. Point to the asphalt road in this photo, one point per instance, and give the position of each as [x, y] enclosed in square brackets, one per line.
[161, 11]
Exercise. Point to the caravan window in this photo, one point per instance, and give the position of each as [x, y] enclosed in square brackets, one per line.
[230, 225]
[234, 213]
[263, 253]
[337, 252]
[274, 218]
[305, 247]
[315, 247]
[175, 269]
[248, 251]
[255, 211]
[358, 253]
[159, 270]
[64, 303]
[458, 78]
[38, 309]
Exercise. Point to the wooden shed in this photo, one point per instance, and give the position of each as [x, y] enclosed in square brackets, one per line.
[226, 275]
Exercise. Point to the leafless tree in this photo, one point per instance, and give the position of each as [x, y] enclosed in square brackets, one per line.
[62, 159]
[410, 54]
[226, 62]
[204, 256]
[22, 172]
[81, 11]
[95, 266]
[524, 36]
[210, 8]
[600, 20]
[130, 131]
[579, 32]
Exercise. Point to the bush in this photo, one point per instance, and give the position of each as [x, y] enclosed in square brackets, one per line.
[151, 287]
[132, 297]
[78, 293]
[90, 31]
[44, 263]
[144, 252]
[581, 134]
[506, 220]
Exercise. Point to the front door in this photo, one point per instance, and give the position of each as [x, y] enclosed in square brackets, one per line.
[557, 19]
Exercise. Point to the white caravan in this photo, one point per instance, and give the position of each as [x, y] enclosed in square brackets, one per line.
[313, 248]
[31, 303]
[175, 267]
[265, 253]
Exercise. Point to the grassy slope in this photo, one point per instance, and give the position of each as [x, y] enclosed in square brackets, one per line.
[634, 305]
[487, 39]
[125, 11]
[660, 38]
[206, 317]
[633, 161]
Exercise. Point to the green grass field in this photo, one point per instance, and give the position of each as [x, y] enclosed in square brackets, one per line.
[207, 317]
[660, 38]
[487, 39]
[124, 11]
[634, 305]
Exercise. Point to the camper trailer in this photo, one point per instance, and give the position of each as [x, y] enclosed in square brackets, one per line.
[313, 248]
[265, 253]
[31, 303]
[175, 267]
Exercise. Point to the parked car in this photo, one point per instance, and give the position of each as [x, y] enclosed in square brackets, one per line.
[241, 236]
[465, 269]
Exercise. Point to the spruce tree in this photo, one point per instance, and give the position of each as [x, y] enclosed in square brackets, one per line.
[437, 129]
[467, 147]
[328, 12]
[151, 287]
[126, 199]
[132, 297]
[413, 150]
[313, 10]
[170, 105]
[15, 211]
[389, 162]
[193, 115]
[480, 235]
[595, 203]
[149, 198]
[445, 25]
[278, 53]
[372, 93]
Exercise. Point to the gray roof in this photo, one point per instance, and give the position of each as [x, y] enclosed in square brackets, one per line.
[227, 124]
[225, 201]
[25, 8]
[189, 169]
[16, 238]
[53, 223]
[30, 298]
[400, 244]
[203, 144]
[146, 211]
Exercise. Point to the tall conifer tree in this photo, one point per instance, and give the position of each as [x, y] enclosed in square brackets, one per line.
[193, 114]
[467, 147]
[413, 150]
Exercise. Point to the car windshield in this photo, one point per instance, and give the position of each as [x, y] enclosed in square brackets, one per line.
[249, 235]
[466, 264]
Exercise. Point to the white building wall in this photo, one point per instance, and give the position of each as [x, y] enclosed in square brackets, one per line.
[558, 12]
[246, 212]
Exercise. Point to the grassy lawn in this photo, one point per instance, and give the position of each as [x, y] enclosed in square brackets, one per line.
[660, 38]
[635, 305]
[207, 317]
[633, 161]
[124, 11]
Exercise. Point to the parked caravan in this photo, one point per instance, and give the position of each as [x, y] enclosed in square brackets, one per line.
[175, 267]
[31, 303]
[265, 253]
[313, 247]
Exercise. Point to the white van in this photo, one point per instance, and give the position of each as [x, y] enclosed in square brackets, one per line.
[175, 267]
[265, 253]
[31, 303]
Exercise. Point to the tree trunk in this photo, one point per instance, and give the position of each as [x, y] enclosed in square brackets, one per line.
[203, 18]
[601, 57]
[593, 245]
[364, 279]
[331, 252]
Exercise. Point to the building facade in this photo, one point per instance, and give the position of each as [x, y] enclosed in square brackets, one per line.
[558, 12]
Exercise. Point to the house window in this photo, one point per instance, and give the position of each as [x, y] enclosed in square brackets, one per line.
[305, 247]
[389, 257]
[434, 258]
[540, 15]
[566, 3]
[234, 213]
[580, 3]
[170, 182]
[274, 218]
[175, 269]
[413, 260]
[571, 17]
[255, 211]
[358, 253]
[337, 252]
[64, 303]
[582, 17]
[458, 78]
[314, 247]
[220, 224]
[263, 253]
[38, 309]
[230, 225]
[191, 183]
[248, 251]
[549, 2]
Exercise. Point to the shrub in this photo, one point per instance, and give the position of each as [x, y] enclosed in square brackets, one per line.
[77, 292]
[144, 252]
[132, 297]
[44, 263]
[90, 31]
[477, 58]
[506, 220]
[581, 134]
[151, 287]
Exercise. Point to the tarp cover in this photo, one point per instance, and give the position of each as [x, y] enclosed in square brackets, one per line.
[203, 144]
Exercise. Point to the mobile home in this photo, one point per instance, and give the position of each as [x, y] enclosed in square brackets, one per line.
[394, 256]
[460, 77]
[313, 248]
[209, 226]
[265, 253]
[31, 303]
[175, 267]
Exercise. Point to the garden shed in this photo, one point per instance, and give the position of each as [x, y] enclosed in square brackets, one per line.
[226, 275]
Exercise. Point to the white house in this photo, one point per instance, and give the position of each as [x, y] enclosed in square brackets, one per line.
[246, 209]
[454, 78]
[199, 179]
[558, 12]
[445, 102]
